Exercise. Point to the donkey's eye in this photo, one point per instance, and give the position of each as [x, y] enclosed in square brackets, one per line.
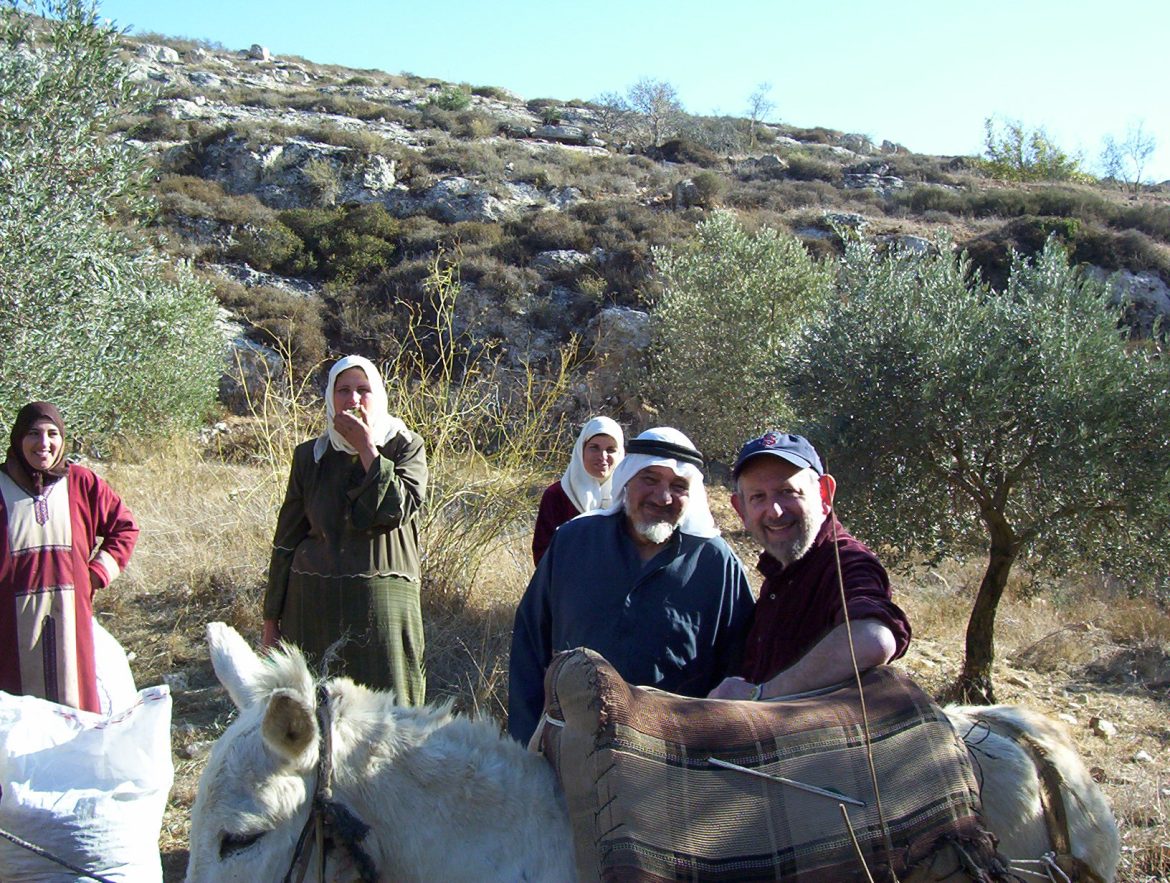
[230, 844]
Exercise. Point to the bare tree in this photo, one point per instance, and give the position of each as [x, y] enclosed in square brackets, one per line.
[759, 106]
[657, 102]
[613, 113]
[1127, 160]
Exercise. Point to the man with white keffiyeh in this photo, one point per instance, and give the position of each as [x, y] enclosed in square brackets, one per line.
[648, 583]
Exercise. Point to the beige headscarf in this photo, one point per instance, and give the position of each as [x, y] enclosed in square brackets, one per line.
[383, 426]
[585, 491]
[697, 519]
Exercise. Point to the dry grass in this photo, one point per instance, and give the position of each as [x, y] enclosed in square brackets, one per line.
[203, 553]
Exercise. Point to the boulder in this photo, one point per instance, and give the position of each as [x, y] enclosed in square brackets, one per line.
[1143, 297]
[685, 195]
[259, 53]
[205, 80]
[560, 262]
[561, 134]
[160, 54]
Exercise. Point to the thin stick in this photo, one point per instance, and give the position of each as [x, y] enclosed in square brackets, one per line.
[856, 845]
[44, 853]
[877, 795]
[811, 789]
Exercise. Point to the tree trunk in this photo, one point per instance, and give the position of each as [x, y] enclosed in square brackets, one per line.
[974, 683]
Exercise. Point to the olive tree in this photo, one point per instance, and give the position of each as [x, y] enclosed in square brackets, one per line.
[91, 317]
[731, 301]
[1015, 423]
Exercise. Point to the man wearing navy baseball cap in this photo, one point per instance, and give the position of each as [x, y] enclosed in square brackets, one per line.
[798, 639]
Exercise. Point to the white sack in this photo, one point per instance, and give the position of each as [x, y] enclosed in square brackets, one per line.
[115, 681]
[89, 788]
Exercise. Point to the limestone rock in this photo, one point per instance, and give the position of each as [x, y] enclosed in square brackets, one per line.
[1143, 297]
[160, 54]
[1103, 728]
[560, 262]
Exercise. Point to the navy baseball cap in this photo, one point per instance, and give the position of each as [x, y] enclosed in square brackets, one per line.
[796, 449]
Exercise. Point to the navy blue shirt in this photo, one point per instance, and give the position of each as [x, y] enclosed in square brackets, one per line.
[675, 622]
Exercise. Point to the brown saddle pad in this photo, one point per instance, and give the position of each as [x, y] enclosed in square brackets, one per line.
[646, 803]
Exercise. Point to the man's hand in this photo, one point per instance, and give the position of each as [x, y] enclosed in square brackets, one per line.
[734, 688]
[271, 634]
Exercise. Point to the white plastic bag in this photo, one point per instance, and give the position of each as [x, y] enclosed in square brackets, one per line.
[88, 788]
[115, 682]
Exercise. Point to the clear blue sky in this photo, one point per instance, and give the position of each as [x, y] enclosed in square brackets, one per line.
[923, 74]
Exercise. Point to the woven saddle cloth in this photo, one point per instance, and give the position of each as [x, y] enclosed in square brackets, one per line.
[647, 803]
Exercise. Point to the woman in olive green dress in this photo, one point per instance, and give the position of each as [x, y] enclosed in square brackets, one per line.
[345, 559]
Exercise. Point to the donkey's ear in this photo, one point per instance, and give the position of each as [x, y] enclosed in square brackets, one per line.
[290, 726]
[236, 665]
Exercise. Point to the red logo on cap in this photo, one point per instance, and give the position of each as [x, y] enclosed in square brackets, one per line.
[769, 440]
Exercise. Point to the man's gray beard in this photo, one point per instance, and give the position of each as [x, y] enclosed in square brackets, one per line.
[796, 548]
[657, 532]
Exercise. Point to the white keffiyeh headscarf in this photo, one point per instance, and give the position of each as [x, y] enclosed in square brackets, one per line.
[383, 426]
[697, 519]
[585, 491]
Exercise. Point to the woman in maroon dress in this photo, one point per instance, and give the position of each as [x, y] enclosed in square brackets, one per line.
[585, 484]
[52, 514]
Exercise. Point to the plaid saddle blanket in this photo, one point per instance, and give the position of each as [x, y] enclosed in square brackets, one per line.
[651, 797]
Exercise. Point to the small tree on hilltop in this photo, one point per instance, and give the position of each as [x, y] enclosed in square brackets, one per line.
[1017, 423]
[90, 318]
[1016, 154]
[759, 106]
[657, 103]
[1126, 160]
[731, 302]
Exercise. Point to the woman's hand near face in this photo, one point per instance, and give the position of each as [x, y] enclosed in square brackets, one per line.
[354, 429]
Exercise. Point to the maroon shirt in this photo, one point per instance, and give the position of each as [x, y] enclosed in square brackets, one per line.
[555, 509]
[801, 603]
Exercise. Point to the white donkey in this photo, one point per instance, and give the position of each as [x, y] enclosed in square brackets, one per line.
[448, 798]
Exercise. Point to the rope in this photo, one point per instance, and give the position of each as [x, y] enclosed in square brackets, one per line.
[44, 853]
[888, 841]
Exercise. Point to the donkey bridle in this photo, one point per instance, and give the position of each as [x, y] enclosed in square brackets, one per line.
[329, 819]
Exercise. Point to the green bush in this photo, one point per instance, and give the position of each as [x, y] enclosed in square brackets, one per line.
[349, 244]
[710, 186]
[273, 248]
[452, 98]
[731, 304]
[1014, 153]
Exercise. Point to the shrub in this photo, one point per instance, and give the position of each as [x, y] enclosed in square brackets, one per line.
[272, 247]
[290, 323]
[552, 230]
[1017, 154]
[718, 378]
[348, 244]
[683, 150]
[452, 98]
[490, 92]
[125, 344]
[710, 186]
[803, 167]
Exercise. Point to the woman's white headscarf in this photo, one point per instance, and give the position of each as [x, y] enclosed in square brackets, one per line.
[697, 520]
[383, 426]
[585, 491]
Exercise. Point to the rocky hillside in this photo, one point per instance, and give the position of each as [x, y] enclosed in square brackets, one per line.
[318, 197]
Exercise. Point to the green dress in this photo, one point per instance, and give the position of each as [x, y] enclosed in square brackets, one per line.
[345, 565]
